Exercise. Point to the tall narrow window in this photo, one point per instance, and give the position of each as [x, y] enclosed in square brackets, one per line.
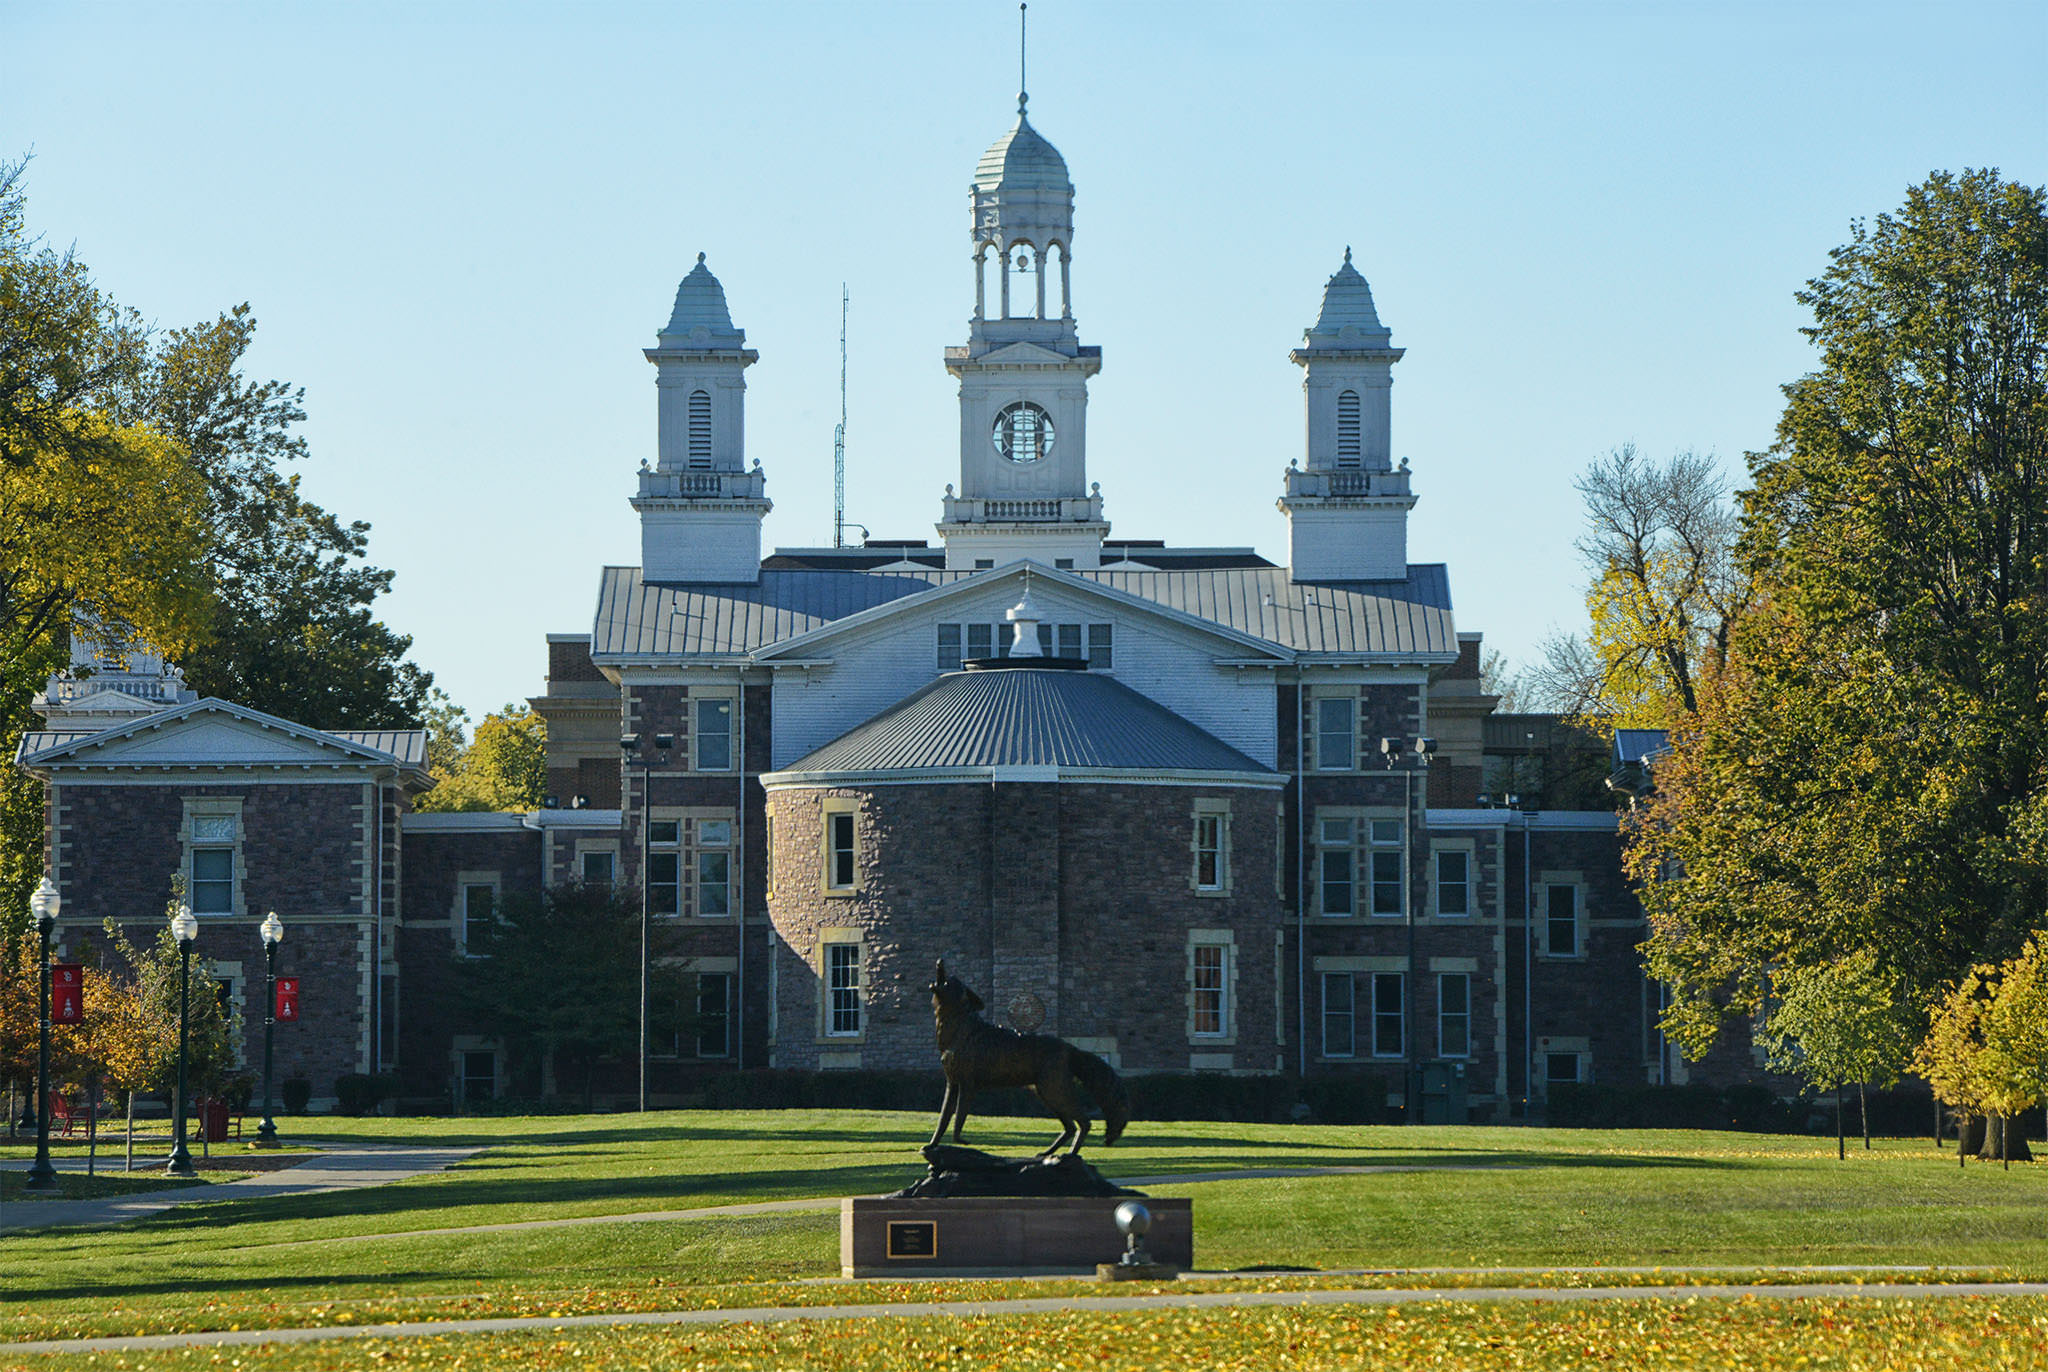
[700, 429]
[713, 742]
[479, 901]
[1347, 429]
[211, 888]
[949, 647]
[981, 641]
[1211, 1011]
[842, 988]
[839, 851]
[1070, 640]
[1340, 1038]
[1101, 642]
[1338, 858]
[1388, 1014]
[1209, 852]
[664, 866]
[1454, 1015]
[1453, 882]
[1045, 644]
[714, 867]
[1336, 732]
[714, 1014]
[1388, 865]
[1561, 923]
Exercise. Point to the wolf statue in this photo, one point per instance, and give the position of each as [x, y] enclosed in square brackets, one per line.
[977, 1054]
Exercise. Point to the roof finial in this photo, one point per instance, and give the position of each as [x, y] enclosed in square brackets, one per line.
[1347, 254]
[700, 258]
[1021, 97]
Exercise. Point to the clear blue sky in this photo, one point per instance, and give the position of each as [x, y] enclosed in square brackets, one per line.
[459, 224]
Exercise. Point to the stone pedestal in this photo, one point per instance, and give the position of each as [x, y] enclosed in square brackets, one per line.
[1001, 1235]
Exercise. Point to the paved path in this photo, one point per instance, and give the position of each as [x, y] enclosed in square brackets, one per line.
[337, 1167]
[817, 1203]
[1036, 1306]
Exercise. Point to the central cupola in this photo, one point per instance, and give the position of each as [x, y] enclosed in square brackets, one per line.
[1023, 375]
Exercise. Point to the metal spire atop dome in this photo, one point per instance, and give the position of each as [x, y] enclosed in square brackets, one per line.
[1021, 83]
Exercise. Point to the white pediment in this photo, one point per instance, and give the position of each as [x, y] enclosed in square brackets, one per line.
[210, 739]
[1025, 354]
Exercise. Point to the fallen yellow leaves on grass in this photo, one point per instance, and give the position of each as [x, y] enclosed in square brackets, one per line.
[1853, 1335]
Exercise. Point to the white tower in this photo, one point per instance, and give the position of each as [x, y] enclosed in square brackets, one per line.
[700, 509]
[1347, 508]
[1024, 488]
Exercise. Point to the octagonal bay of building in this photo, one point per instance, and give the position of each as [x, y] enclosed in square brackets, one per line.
[1091, 863]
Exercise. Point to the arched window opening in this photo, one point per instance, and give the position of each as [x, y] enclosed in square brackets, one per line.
[1024, 295]
[700, 428]
[1023, 432]
[1347, 429]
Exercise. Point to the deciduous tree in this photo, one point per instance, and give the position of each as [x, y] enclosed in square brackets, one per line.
[503, 768]
[1837, 1025]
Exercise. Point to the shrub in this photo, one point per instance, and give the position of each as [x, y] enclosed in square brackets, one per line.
[358, 1094]
[295, 1092]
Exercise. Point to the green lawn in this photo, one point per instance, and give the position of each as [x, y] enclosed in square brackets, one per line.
[1513, 1197]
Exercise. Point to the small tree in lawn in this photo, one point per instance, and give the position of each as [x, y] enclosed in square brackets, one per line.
[1951, 1057]
[2014, 1056]
[1837, 1025]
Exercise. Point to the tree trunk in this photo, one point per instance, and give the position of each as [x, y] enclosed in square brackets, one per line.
[128, 1162]
[1937, 1122]
[92, 1127]
[1841, 1149]
[1863, 1109]
[2003, 1141]
[1969, 1136]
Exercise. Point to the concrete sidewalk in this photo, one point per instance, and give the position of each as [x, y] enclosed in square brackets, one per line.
[1032, 1306]
[337, 1167]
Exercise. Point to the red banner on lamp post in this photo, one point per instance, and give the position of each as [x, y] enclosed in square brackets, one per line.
[287, 1000]
[67, 993]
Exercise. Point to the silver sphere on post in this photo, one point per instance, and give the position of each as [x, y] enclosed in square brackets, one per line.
[1134, 1220]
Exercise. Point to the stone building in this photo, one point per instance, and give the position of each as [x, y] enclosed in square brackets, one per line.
[1192, 809]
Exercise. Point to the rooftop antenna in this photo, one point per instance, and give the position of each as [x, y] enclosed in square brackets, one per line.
[1021, 8]
[839, 437]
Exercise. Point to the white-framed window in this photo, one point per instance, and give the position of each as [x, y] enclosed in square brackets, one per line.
[1563, 931]
[714, 1014]
[1070, 637]
[949, 648]
[1337, 859]
[1389, 858]
[842, 990]
[1212, 848]
[1211, 976]
[981, 640]
[1389, 1014]
[1101, 647]
[664, 866]
[1453, 883]
[1562, 1067]
[1336, 733]
[479, 1081]
[711, 744]
[1340, 1030]
[213, 868]
[842, 847]
[1454, 1014]
[982, 564]
[477, 906]
[714, 867]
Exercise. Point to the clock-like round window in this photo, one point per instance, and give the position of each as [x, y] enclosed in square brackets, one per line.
[1023, 432]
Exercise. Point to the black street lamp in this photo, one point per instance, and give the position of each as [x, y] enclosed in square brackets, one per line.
[630, 745]
[184, 929]
[273, 934]
[43, 905]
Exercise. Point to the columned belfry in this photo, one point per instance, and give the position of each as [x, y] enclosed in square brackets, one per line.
[1024, 488]
[700, 509]
[1347, 506]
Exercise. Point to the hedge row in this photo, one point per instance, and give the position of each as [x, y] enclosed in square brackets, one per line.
[1755, 1109]
[1166, 1096]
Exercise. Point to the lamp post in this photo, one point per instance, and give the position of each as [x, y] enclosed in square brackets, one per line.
[1394, 750]
[184, 929]
[43, 905]
[272, 929]
[629, 744]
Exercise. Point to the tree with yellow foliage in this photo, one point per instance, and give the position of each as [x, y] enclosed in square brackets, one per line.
[503, 768]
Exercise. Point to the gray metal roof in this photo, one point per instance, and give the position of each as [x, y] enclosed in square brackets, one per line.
[1026, 717]
[1634, 745]
[638, 619]
[409, 746]
[42, 740]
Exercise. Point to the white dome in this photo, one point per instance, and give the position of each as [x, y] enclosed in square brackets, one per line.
[1347, 303]
[1021, 160]
[700, 314]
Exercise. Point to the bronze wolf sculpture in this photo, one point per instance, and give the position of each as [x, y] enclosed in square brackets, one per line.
[978, 1054]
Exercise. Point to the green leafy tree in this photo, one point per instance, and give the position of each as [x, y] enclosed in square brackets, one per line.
[504, 768]
[1870, 768]
[1986, 1050]
[556, 977]
[1837, 1025]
